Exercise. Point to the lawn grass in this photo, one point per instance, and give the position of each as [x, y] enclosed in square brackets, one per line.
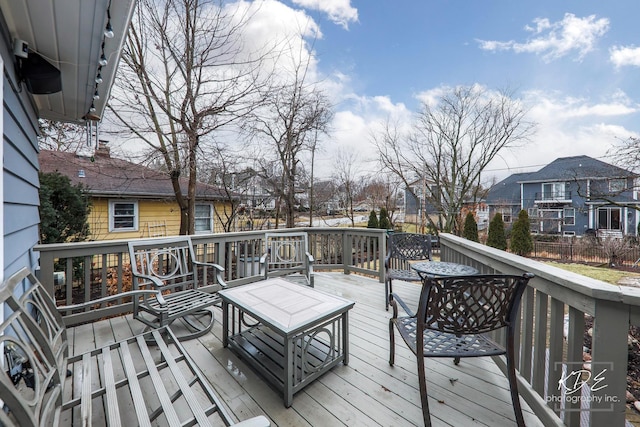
[608, 275]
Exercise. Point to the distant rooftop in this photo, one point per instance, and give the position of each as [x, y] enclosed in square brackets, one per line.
[104, 175]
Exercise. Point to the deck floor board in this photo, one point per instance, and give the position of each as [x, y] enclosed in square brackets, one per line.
[367, 392]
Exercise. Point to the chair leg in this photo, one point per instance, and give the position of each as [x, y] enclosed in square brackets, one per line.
[392, 344]
[513, 381]
[387, 290]
[422, 379]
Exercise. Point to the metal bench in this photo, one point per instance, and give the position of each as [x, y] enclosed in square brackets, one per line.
[169, 265]
[287, 254]
[125, 383]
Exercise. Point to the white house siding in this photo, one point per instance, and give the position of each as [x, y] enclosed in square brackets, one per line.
[20, 167]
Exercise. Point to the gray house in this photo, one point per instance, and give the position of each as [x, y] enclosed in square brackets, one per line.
[51, 54]
[570, 196]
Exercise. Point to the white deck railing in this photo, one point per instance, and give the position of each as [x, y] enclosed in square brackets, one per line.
[80, 272]
[551, 338]
[552, 313]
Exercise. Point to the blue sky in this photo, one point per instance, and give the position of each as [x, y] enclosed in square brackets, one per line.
[575, 64]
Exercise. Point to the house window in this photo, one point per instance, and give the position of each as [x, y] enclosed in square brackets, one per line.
[203, 218]
[532, 212]
[569, 216]
[617, 185]
[550, 220]
[553, 190]
[610, 218]
[123, 216]
[506, 215]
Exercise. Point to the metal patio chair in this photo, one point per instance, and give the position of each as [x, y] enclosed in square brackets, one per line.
[454, 314]
[287, 254]
[403, 248]
[169, 265]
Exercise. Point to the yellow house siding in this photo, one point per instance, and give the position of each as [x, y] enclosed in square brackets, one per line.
[155, 218]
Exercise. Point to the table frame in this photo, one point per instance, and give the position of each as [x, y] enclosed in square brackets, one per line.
[289, 358]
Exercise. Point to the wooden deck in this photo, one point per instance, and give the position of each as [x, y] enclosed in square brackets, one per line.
[367, 392]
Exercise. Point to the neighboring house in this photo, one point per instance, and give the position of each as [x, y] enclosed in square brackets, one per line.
[504, 198]
[414, 201]
[130, 200]
[570, 196]
[480, 212]
[71, 36]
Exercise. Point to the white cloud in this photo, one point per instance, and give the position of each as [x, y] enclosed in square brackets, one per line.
[340, 11]
[566, 127]
[554, 40]
[621, 56]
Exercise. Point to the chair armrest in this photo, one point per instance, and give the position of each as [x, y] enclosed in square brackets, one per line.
[219, 270]
[387, 260]
[157, 283]
[263, 258]
[259, 421]
[309, 257]
[392, 302]
[138, 292]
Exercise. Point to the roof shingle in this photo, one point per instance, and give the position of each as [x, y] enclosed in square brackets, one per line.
[109, 176]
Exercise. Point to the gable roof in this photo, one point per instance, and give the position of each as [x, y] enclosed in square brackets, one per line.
[110, 177]
[507, 190]
[577, 167]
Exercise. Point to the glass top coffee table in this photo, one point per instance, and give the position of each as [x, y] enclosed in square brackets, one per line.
[288, 333]
[438, 269]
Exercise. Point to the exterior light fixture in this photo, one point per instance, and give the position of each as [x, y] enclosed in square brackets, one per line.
[108, 31]
[99, 77]
[103, 60]
[92, 109]
[96, 95]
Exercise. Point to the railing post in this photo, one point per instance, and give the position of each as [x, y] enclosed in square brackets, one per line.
[45, 274]
[346, 252]
[382, 244]
[610, 352]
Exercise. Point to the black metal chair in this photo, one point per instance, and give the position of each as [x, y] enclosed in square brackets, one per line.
[403, 248]
[454, 314]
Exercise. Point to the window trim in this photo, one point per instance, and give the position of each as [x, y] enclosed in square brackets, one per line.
[565, 216]
[609, 210]
[210, 217]
[136, 216]
[615, 182]
[506, 213]
[558, 191]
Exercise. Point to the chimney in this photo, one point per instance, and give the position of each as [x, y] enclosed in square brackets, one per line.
[103, 150]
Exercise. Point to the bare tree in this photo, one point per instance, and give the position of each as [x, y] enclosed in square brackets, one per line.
[186, 73]
[61, 136]
[627, 154]
[381, 191]
[346, 177]
[292, 117]
[452, 141]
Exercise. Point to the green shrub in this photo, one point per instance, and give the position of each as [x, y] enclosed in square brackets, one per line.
[64, 209]
[497, 238]
[373, 220]
[521, 242]
[470, 228]
[385, 223]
